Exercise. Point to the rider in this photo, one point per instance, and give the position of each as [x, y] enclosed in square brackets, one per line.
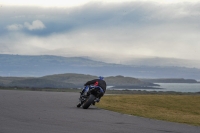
[99, 83]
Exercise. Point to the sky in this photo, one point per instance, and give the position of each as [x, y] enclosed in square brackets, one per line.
[110, 31]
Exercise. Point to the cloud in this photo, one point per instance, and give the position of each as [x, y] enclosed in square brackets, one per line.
[74, 3]
[112, 31]
[15, 27]
[36, 25]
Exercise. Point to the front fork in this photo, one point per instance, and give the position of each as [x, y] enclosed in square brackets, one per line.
[84, 94]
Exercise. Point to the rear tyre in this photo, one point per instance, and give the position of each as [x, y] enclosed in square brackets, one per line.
[88, 102]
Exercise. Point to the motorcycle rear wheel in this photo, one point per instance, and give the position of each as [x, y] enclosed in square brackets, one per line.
[88, 102]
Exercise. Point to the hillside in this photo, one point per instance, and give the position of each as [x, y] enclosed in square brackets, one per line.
[38, 66]
[68, 80]
[171, 80]
[40, 83]
[164, 62]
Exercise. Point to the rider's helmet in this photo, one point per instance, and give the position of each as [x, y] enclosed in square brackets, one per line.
[101, 78]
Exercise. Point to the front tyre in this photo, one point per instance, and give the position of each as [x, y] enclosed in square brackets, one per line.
[88, 102]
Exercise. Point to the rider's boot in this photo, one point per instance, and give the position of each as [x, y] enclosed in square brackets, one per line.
[78, 105]
[99, 97]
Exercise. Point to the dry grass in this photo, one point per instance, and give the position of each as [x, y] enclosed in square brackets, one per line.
[175, 108]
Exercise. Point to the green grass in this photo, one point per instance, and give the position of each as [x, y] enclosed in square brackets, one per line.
[174, 108]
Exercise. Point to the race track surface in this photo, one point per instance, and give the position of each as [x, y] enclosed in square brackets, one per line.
[56, 112]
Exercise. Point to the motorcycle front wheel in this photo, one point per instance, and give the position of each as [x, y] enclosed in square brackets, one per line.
[88, 102]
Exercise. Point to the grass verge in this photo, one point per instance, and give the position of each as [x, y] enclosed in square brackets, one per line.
[174, 108]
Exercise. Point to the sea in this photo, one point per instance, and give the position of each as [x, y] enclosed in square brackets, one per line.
[176, 87]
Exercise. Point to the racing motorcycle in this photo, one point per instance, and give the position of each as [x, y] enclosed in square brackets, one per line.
[89, 96]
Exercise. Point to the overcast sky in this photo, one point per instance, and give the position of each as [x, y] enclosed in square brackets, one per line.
[112, 30]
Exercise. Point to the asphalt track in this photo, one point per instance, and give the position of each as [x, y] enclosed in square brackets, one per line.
[56, 112]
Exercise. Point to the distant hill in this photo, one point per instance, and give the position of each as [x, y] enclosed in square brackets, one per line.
[162, 62]
[126, 81]
[68, 80]
[40, 83]
[171, 80]
[38, 66]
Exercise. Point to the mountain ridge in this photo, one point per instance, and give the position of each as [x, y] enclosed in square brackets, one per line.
[69, 80]
[41, 65]
[158, 61]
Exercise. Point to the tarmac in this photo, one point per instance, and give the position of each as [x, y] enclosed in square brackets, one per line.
[56, 112]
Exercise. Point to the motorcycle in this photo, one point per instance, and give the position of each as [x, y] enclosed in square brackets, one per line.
[89, 95]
